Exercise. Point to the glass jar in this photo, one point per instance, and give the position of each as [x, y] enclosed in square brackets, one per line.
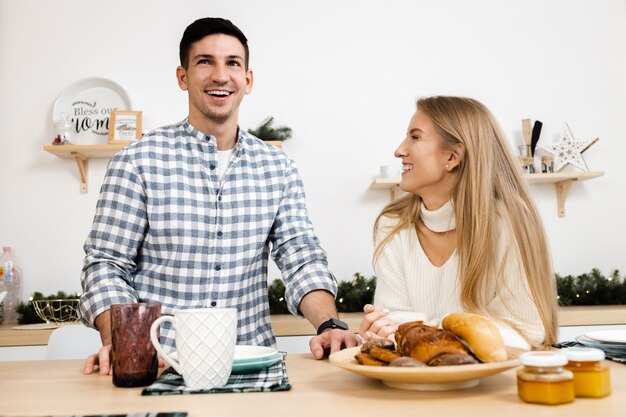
[543, 379]
[528, 165]
[547, 164]
[591, 378]
[62, 129]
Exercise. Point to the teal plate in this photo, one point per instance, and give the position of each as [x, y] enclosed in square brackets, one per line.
[247, 367]
[250, 358]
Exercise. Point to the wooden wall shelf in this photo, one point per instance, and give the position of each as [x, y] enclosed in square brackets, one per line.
[561, 180]
[391, 184]
[82, 154]
[277, 143]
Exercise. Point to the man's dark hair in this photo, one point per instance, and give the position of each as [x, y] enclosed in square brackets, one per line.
[210, 26]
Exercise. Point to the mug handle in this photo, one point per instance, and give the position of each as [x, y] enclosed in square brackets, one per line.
[157, 345]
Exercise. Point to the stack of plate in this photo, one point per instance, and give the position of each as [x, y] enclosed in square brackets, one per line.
[612, 342]
[254, 358]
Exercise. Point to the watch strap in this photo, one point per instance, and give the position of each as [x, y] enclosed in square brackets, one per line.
[332, 324]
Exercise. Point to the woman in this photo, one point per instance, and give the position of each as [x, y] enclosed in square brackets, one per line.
[467, 236]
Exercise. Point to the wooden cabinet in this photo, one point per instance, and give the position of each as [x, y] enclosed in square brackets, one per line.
[562, 182]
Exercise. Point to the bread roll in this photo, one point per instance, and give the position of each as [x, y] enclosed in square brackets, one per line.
[481, 335]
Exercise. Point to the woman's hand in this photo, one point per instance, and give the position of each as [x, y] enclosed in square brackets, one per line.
[375, 323]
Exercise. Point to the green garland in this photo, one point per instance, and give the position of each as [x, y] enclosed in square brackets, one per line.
[351, 295]
[266, 131]
[582, 290]
[591, 289]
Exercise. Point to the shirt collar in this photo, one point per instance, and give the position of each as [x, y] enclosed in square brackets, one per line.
[243, 137]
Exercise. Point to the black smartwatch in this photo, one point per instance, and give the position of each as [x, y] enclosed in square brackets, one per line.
[332, 324]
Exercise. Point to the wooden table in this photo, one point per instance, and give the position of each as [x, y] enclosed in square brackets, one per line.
[39, 388]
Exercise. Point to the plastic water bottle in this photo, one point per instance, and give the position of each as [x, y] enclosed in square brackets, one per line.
[11, 280]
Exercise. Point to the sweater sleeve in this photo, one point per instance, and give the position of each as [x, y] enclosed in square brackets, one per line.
[391, 289]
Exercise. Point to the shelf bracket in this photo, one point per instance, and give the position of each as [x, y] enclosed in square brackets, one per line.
[562, 189]
[394, 191]
[83, 165]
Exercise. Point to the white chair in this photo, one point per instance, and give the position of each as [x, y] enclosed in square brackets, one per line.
[73, 341]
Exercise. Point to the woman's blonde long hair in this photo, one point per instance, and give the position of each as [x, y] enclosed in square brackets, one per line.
[490, 182]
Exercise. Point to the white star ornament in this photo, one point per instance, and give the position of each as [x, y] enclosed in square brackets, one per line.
[568, 150]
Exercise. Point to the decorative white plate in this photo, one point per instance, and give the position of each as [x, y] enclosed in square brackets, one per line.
[430, 378]
[612, 350]
[250, 355]
[609, 336]
[89, 103]
[246, 353]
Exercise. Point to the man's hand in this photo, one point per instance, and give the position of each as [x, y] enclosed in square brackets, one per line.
[102, 359]
[331, 341]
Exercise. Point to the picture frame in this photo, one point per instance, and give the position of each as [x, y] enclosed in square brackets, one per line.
[124, 126]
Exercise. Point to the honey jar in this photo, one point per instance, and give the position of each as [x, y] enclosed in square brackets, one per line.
[591, 378]
[543, 379]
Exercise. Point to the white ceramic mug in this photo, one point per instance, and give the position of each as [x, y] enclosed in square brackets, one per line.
[205, 342]
[389, 171]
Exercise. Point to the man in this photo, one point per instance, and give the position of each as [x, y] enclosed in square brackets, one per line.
[188, 215]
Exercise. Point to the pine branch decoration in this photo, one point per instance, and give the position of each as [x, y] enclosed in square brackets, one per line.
[583, 290]
[351, 295]
[591, 289]
[265, 131]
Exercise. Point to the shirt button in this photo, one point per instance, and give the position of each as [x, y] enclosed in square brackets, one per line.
[220, 234]
[207, 138]
[219, 198]
[212, 166]
[213, 303]
[218, 267]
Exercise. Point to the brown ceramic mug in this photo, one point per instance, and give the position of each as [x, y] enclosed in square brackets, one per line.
[134, 358]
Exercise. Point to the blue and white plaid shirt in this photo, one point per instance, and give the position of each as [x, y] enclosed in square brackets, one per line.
[166, 230]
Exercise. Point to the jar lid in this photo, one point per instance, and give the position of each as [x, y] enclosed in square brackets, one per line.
[543, 358]
[583, 354]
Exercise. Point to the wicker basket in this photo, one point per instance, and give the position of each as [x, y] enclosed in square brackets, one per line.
[57, 311]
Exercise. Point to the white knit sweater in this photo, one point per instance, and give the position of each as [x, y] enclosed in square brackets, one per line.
[412, 288]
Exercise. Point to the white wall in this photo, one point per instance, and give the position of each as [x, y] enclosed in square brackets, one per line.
[344, 75]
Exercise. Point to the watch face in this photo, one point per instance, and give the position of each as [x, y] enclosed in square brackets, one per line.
[339, 324]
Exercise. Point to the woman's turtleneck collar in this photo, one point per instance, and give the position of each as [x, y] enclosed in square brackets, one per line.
[440, 220]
